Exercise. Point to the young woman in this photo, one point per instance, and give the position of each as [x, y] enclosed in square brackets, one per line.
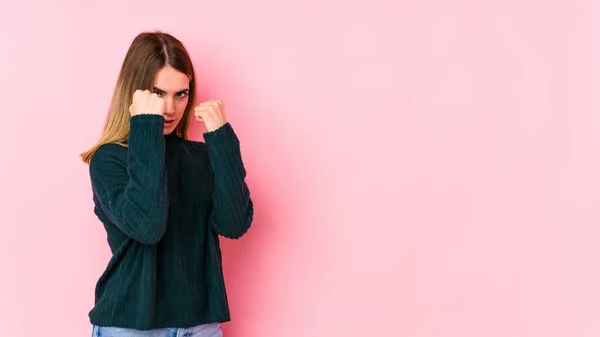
[164, 200]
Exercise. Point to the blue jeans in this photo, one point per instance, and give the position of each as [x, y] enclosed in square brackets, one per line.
[204, 330]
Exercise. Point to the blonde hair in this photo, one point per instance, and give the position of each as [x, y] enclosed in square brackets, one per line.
[148, 54]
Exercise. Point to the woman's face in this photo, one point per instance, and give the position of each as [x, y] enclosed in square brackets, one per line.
[173, 86]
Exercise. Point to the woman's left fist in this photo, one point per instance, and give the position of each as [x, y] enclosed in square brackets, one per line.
[211, 113]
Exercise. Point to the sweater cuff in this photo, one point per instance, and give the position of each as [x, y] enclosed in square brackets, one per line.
[225, 131]
[146, 131]
[225, 153]
[223, 140]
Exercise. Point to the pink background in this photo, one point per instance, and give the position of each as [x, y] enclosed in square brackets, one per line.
[419, 168]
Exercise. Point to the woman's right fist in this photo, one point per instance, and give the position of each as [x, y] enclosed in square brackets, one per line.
[145, 102]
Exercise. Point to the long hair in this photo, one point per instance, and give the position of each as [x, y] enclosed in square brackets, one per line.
[148, 54]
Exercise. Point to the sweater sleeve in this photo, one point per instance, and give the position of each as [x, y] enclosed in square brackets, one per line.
[131, 185]
[233, 209]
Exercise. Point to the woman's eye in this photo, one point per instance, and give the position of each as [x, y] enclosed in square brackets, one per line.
[182, 94]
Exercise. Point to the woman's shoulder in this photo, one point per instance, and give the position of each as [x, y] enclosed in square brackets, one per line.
[110, 152]
[110, 149]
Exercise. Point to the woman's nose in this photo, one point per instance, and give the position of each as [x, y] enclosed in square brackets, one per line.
[169, 106]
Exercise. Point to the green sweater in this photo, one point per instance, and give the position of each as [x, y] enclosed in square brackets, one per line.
[164, 201]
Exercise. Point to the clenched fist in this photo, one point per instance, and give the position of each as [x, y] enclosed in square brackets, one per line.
[145, 102]
[212, 113]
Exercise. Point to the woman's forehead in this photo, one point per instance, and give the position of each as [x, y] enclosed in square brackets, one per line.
[169, 79]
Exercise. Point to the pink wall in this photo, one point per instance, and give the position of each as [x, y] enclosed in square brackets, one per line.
[422, 169]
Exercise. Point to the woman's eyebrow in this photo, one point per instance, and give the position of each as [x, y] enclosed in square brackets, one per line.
[164, 92]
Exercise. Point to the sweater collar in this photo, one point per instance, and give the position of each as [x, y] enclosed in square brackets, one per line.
[172, 136]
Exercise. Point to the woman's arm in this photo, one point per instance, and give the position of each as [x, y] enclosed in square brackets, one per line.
[233, 209]
[131, 184]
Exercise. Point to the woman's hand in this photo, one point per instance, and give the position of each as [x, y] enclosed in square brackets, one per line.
[211, 113]
[145, 102]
